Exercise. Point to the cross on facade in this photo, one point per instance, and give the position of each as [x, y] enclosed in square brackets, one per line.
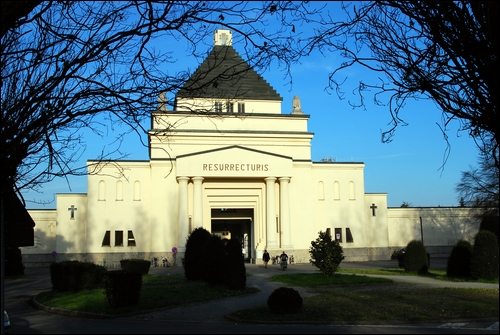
[373, 207]
[72, 209]
[52, 226]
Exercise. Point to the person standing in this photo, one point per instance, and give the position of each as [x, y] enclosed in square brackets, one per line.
[284, 257]
[266, 258]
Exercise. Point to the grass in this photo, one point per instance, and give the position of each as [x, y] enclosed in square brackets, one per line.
[346, 297]
[158, 292]
[356, 298]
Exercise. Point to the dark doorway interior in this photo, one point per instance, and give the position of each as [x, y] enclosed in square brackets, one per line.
[238, 223]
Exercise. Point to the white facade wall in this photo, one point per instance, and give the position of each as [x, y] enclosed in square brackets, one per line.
[45, 232]
[438, 227]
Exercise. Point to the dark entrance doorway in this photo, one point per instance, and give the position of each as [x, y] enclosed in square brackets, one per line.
[235, 223]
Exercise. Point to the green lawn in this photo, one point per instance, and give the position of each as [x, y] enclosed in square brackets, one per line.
[157, 292]
[353, 298]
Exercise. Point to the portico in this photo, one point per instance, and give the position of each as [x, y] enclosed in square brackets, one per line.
[215, 180]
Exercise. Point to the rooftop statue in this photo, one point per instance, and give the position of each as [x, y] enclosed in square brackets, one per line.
[296, 105]
[162, 102]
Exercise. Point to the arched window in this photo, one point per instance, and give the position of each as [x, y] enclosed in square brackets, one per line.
[101, 193]
[321, 191]
[137, 190]
[119, 190]
[352, 195]
[336, 191]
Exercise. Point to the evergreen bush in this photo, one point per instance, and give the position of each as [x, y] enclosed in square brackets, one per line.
[235, 276]
[193, 257]
[326, 254]
[285, 300]
[13, 262]
[416, 258]
[484, 261]
[76, 276]
[459, 260]
[213, 260]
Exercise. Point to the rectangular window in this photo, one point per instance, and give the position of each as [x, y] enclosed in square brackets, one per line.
[218, 107]
[106, 241]
[229, 107]
[131, 239]
[338, 235]
[118, 238]
[241, 107]
[348, 235]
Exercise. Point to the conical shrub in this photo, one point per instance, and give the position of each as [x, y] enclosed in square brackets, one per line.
[193, 257]
[484, 261]
[459, 260]
[416, 258]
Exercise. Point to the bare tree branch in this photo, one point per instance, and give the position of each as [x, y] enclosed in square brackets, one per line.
[70, 67]
[445, 51]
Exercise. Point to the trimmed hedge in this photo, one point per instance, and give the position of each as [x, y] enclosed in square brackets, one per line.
[123, 288]
[76, 276]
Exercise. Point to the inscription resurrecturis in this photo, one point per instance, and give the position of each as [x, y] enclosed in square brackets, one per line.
[235, 167]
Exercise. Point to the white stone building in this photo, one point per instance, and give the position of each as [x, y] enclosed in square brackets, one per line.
[227, 158]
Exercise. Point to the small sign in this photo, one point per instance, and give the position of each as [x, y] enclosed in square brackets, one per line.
[174, 250]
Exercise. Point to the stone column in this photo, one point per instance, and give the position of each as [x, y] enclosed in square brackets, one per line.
[271, 214]
[286, 238]
[183, 213]
[198, 202]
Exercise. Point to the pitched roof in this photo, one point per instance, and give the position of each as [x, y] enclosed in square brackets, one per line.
[225, 75]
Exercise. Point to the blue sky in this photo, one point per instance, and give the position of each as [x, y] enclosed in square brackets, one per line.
[409, 169]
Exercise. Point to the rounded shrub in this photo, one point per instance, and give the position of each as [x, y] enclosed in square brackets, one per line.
[484, 261]
[416, 258]
[459, 260]
[285, 300]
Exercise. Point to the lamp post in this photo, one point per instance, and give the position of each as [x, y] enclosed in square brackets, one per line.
[421, 231]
